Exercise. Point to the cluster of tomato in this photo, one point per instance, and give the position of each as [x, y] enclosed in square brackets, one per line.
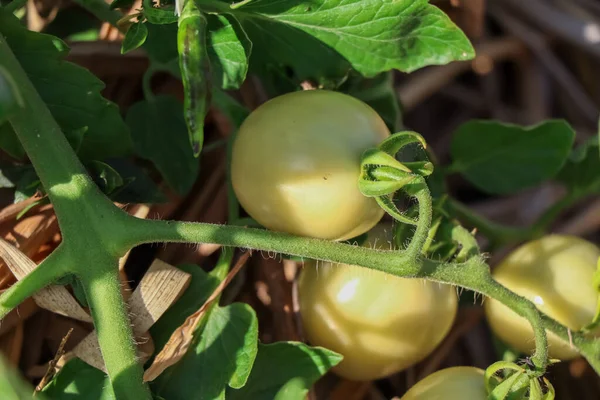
[295, 165]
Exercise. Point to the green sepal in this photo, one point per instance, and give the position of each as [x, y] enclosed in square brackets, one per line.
[387, 203]
[397, 141]
[377, 157]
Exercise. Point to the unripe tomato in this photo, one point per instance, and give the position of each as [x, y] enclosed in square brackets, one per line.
[556, 274]
[456, 383]
[296, 163]
[380, 323]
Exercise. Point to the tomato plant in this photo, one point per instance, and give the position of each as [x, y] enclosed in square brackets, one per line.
[304, 150]
[380, 323]
[289, 110]
[556, 273]
[455, 383]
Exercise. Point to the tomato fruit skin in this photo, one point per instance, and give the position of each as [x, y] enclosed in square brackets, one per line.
[380, 323]
[456, 383]
[556, 274]
[296, 163]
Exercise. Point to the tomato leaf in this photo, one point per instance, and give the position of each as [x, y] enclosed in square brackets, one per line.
[373, 35]
[105, 176]
[379, 93]
[135, 37]
[76, 379]
[10, 97]
[160, 135]
[201, 286]
[503, 158]
[10, 143]
[159, 15]
[222, 357]
[137, 185]
[161, 43]
[12, 386]
[21, 177]
[71, 93]
[228, 49]
[580, 173]
[285, 370]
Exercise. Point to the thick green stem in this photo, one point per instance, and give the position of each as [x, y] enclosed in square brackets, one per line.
[472, 274]
[92, 230]
[60, 171]
[103, 292]
[50, 270]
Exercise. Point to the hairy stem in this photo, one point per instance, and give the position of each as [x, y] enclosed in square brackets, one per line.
[473, 274]
[423, 196]
[55, 266]
[91, 226]
[103, 292]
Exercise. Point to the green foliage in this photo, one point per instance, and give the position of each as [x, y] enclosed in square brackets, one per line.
[160, 135]
[379, 93]
[201, 286]
[159, 15]
[350, 45]
[222, 357]
[285, 370]
[76, 379]
[12, 386]
[10, 97]
[373, 35]
[581, 173]
[137, 185]
[503, 158]
[71, 93]
[135, 37]
[229, 50]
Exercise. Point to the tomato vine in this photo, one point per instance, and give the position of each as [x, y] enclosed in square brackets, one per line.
[91, 251]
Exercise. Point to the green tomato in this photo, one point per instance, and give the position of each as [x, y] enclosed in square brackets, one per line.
[555, 273]
[380, 323]
[296, 163]
[456, 383]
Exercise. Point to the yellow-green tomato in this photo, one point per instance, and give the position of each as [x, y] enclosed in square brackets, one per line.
[456, 383]
[296, 163]
[380, 323]
[556, 274]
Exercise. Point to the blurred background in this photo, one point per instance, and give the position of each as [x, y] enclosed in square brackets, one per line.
[536, 59]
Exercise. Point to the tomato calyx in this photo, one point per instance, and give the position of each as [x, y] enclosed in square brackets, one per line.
[382, 175]
[523, 381]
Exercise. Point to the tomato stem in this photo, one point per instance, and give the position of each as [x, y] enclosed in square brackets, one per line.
[91, 228]
[423, 196]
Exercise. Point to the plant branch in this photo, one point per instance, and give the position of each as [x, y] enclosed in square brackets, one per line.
[473, 274]
[92, 232]
[103, 292]
[54, 267]
[423, 197]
